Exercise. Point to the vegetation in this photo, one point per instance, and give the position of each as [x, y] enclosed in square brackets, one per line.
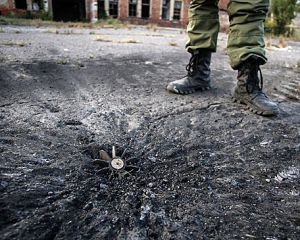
[20, 44]
[282, 14]
[43, 15]
[103, 23]
[102, 14]
[298, 6]
[106, 39]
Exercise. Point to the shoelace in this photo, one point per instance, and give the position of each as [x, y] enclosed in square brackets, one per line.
[253, 81]
[193, 64]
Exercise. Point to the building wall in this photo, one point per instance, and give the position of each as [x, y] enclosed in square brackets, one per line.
[91, 11]
[7, 3]
[223, 4]
[155, 14]
[223, 15]
[155, 11]
[8, 6]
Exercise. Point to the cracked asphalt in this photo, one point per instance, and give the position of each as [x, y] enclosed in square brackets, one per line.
[208, 168]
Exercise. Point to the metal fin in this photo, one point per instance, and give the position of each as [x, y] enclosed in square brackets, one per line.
[132, 160]
[104, 170]
[113, 152]
[123, 154]
[104, 155]
[131, 168]
[100, 162]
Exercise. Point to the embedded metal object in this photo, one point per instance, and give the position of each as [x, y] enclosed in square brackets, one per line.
[115, 165]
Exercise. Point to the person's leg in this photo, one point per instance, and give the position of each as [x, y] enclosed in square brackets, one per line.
[202, 32]
[246, 36]
[203, 26]
[246, 50]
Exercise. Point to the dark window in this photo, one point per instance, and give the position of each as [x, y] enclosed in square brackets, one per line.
[177, 10]
[21, 4]
[132, 8]
[101, 9]
[165, 9]
[113, 8]
[145, 9]
[68, 10]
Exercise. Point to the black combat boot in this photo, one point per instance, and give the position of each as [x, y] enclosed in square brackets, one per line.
[249, 89]
[198, 77]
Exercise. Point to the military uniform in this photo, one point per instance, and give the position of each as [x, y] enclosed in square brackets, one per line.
[245, 47]
[246, 36]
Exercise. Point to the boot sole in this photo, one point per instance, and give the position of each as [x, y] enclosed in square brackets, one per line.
[173, 89]
[252, 108]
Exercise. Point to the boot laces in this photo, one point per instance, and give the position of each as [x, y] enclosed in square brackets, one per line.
[254, 83]
[192, 66]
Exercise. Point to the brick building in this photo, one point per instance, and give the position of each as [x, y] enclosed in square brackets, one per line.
[171, 13]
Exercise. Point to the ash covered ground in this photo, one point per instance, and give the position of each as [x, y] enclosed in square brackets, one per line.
[207, 167]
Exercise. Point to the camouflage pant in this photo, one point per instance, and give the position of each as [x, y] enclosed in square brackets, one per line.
[246, 36]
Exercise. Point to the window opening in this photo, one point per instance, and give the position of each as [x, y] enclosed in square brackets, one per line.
[165, 9]
[37, 5]
[113, 8]
[132, 8]
[101, 9]
[21, 4]
[177, 10]
[145, 8]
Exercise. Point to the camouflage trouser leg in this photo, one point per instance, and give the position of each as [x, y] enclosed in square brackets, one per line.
[203, 27]
[246, 37]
